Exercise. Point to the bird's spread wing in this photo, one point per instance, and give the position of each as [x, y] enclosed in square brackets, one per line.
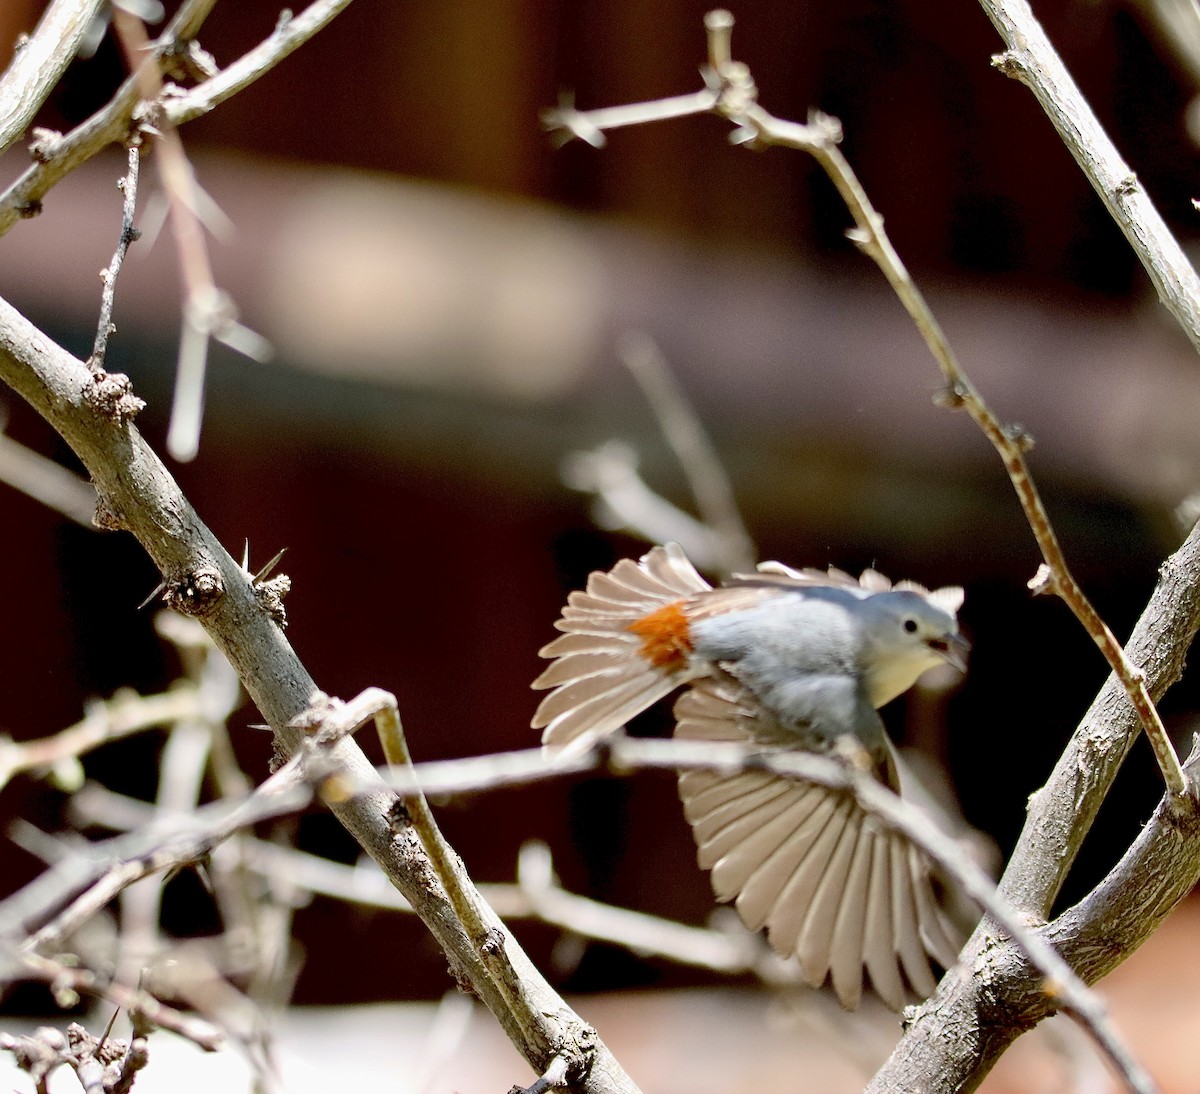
[623, 647]
[777, 575]
[829, 883]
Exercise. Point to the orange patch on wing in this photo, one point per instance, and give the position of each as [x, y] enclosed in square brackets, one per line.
[664, 635]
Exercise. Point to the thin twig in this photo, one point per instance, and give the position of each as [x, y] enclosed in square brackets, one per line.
[291, 32]
[87, 982]
[536, 894]
[446, 1039]
[54, 159]
[111, 720]
[684, 432]
[473, 915]
[207, 310]
[553, 1078]
[129, 234]
[736, 100]
[58, 157]
[590, 126]
[625, 502]
[69, 893]
[46, 481]
[202, 576]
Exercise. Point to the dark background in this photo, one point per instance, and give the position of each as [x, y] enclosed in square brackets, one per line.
[394, 168]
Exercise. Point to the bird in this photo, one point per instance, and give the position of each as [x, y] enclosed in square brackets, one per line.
[783, 659]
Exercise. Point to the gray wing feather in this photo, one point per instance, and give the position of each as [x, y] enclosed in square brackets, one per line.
[936, 932]
[906, 931]
[790, 897]
[848, 944]
[710, 817]
[738, 848]
[705, 791]
[879, 954]
[816, 938]
[830, 884]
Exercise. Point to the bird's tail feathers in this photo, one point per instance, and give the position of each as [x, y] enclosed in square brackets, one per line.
[624, 646]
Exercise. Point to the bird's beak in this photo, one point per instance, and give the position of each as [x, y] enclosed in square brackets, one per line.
[953, 649]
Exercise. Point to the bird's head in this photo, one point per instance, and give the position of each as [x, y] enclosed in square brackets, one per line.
[907, 633]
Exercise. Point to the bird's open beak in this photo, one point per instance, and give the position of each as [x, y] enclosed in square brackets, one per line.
[953, 649]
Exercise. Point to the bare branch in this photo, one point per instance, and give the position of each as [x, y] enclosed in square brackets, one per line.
[1031, 59]
[205, 581]
[58, 157]
[694, 449]
[46, 481]
[988, 1012]
[536, 894]
[622, 755]
[67, 978]
[44, 912]
[121, 716]
[207, 311]
[291, 32]
[40, 61]
[128, 187]
[624, 501]
[590, 126]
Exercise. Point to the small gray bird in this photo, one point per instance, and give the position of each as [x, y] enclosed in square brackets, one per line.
[787, 659]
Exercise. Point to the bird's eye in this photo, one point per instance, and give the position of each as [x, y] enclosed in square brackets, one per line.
[910, 626]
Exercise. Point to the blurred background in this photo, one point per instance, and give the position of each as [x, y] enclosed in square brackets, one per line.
[446, 292]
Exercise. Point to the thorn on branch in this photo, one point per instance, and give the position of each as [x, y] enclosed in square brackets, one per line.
[158, 589]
